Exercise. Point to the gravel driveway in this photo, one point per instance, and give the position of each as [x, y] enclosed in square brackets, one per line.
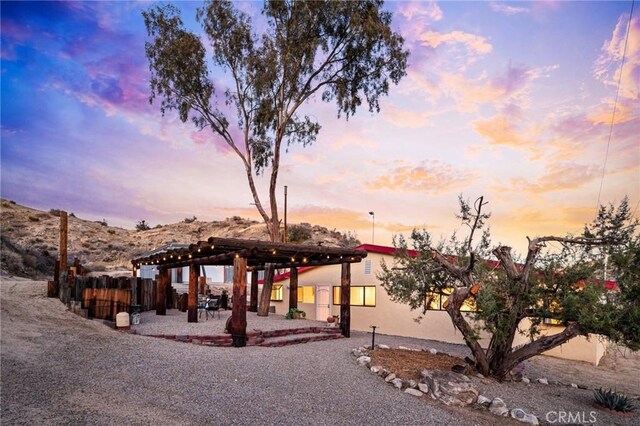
[58, 368]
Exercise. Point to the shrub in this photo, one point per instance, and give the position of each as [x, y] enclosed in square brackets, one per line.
[613, 400]
[142, 226]
[298, 233]
[34, 219]
[190, 219]
[293, 311]
[111, 231]
[55, 212]
[103, 222]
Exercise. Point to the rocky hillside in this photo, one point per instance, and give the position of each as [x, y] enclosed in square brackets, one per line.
[30, 239]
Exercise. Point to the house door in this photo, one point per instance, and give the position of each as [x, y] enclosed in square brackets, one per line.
[323, 303]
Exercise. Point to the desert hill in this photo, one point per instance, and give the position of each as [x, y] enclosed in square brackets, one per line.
[30, 239]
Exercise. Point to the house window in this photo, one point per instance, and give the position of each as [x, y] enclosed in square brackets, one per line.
[367, 267]
[437, 302]
[276, 293]
[306, 294]
[360, 295]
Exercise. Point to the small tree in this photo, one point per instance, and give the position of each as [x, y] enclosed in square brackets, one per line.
[560, 285]
[342, 51]
[142, 226]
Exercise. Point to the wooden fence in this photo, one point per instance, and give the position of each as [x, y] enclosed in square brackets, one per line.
[103, 297]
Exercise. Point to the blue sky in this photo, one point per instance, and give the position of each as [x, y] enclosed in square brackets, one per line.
[512, 101]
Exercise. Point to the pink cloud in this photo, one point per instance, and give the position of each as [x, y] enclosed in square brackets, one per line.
[502, 129]
[558, 177]
[473, 43]
[508, 9]
[429, 176]
[608, 67]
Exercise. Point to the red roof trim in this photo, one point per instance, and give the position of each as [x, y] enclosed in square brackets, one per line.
[372, 248]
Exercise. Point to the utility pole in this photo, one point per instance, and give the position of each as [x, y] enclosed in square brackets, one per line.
[284, 239]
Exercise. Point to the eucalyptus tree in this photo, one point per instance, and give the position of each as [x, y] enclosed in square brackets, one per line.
[508, 296]
[343, 52]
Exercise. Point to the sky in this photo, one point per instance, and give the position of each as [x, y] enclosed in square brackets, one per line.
[512, 101]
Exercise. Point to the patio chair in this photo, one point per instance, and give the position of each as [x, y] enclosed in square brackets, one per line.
[213, 306]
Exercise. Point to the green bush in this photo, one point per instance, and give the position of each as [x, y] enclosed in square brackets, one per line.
[298, 233]
[292, 311]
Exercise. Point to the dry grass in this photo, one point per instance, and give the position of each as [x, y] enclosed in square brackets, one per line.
[408, 364]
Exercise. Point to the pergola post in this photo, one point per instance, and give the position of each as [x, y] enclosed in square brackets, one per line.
[293, 288]
[161, 298]
[63, 241]
[253, 303]
[238, 326]
[192, 301]
[345, 300]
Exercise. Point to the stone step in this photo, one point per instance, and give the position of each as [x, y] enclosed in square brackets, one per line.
[294, 339]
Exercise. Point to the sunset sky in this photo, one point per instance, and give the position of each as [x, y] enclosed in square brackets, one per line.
[512, 101]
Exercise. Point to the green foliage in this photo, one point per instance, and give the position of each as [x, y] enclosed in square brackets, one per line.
[339, 51]
[563, 283]
[142, 226]
[289, 315]
[298, 233]
[613, 400]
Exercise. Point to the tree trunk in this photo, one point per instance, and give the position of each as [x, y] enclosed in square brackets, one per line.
[468, 334]
[532, 349]
[265, 296]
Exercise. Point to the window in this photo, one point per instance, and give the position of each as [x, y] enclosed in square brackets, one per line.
[276, 293]
[437, 302]
[360, 295]
[306, 294]
[367, 267]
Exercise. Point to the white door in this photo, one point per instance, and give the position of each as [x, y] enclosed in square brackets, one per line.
[323, 302]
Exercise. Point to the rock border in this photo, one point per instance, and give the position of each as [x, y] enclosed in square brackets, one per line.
[495, 406]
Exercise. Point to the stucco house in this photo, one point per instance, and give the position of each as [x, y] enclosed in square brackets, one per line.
[319, 297]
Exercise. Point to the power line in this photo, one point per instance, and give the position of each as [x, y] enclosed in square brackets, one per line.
[615, 105]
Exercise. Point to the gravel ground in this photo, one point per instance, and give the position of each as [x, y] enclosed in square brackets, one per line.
[58, 368]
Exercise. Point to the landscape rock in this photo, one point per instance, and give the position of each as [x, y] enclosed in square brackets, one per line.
[364, 360]
[450, 388]
[526, 380]
[412, 384]
[543, 381]
[376, 369]
[397, 383]
[383, 346]
[520, 415]
[356, 352]
[498, 407]
[424, 388]
[483, 400]
[414, 392]
[404, 348]
[389, 377]
[573, 385]
[433, 351]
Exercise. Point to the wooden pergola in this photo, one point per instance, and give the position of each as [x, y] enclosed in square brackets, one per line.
[249, 255]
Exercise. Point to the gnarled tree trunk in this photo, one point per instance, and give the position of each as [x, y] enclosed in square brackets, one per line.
[265, 296]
